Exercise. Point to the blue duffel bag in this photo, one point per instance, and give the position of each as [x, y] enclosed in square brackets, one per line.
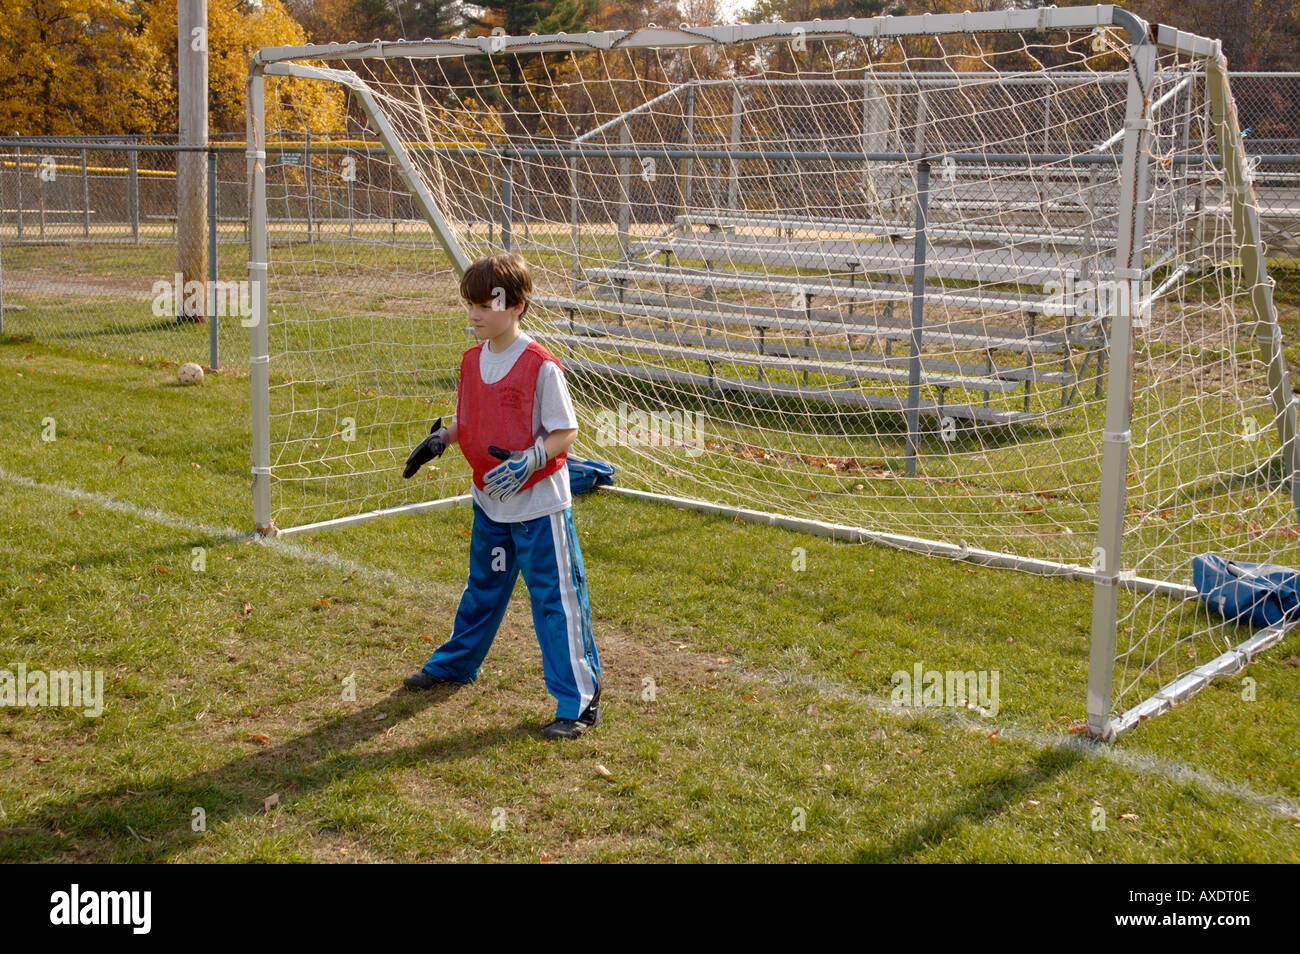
[1261, 594]
[585, 475]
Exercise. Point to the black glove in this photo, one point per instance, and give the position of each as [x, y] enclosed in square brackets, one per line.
[429, 448]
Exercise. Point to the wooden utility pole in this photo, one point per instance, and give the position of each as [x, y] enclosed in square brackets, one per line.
[191, 167]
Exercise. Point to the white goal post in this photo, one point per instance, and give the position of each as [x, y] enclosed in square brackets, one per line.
[988, 286]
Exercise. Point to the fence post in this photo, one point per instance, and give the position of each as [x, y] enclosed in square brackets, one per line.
[214, 361]
[625, 192]
[576, 268]
[688, 164]
[85, 196]
[133, 191]
[507, 205]
[306, 161]
[733, 179]
[18, 164]
[492, 196]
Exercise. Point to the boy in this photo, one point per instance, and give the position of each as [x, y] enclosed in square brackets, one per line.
[515, 423]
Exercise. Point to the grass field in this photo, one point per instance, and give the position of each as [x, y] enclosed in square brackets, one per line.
[768, 736]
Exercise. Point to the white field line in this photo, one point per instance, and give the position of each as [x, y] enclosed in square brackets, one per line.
[1134, 762]
[153, 515]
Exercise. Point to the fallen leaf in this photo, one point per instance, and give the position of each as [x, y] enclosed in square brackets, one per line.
[257, 737]
[1033, 804]
[271, 801]
[603, 772]
[427, 639]
[1129, 816]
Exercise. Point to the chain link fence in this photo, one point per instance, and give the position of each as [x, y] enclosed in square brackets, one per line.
[88, 226]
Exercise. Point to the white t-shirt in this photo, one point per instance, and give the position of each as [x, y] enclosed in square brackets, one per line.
[552, 411]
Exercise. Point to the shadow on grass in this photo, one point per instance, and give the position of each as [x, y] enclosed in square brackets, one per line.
[166, 324]
[181, 550]
[986, 803]
[122, 824]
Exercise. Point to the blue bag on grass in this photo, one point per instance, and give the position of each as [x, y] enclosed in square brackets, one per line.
[586, 475]
[1261, 594]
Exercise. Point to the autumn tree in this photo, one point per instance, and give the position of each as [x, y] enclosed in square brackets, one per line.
[83, 67]
[236, 30]
[70, 67]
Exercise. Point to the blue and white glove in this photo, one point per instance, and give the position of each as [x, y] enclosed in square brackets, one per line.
[504, 480]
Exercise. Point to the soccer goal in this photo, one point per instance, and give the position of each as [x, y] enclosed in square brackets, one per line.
[983, 286]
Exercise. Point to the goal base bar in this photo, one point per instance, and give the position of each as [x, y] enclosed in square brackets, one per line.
[1183, 688]
[836, 531]
[445, 503]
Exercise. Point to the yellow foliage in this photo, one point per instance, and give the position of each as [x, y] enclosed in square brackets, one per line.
[236, 30]
[78, 66]
[71, 67]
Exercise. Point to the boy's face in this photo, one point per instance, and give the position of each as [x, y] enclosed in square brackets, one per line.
[492, 319]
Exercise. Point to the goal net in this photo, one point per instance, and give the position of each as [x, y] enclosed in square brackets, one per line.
[987, 286]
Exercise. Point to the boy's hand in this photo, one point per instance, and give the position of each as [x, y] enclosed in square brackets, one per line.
[504, 480]
[429, 448]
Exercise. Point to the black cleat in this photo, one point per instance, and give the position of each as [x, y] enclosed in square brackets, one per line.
[564, 729]
[422, 680]
[573, 728]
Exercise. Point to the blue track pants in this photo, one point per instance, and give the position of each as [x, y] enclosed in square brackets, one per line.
[546, 552]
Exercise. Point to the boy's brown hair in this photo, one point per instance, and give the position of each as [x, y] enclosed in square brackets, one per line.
[494, 275]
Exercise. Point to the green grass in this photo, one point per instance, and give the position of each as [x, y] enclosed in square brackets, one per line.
[226, 685]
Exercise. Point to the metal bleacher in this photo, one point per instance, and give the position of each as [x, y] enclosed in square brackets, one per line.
[624, 318]
[757, 303]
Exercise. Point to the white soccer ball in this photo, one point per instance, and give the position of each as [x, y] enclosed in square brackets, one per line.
[189, 373]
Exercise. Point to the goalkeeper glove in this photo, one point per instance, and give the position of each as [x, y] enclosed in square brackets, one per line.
[505, 479]
[429, 448]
